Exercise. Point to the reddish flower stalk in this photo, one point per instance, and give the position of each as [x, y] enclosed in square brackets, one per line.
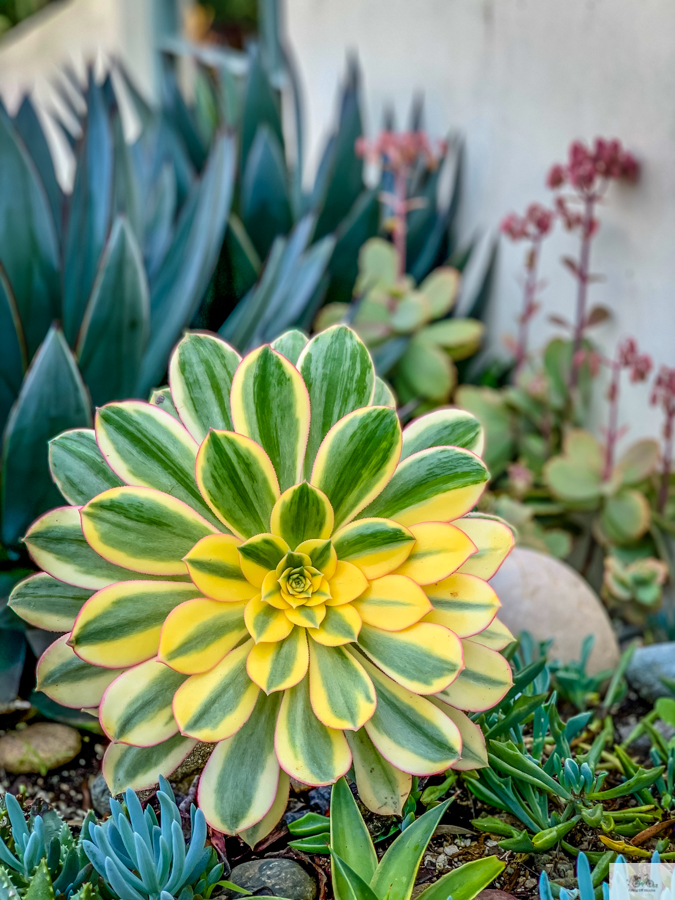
[533, 227]
[663, 394]
[639, 366]
[588, 173]
[399, 153]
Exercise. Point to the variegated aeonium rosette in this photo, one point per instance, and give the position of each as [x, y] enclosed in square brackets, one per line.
[270, 565]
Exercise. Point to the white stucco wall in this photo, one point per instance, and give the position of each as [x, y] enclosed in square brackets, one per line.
[520, 79]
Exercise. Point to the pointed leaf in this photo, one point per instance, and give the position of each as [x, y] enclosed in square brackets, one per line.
[78, 467]
[52, 399]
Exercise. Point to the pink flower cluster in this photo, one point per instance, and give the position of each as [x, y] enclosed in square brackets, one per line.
[400, 151]
[586, 167]
[533, 226]
[663, 391]
[639, 364]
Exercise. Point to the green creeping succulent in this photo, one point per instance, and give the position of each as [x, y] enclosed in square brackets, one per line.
[576, 478]
[272, 565]
[141, 859]
[407, 326]
[44, 850]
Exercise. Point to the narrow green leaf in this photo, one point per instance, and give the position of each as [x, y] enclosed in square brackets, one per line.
[349, 837]
[347, 885]
[78, 467]
[465, 882]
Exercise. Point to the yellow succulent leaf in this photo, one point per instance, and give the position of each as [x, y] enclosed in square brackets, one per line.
[440, 549]
[196, 635]
[341, 691]
[213, 564]
[496, 636]
[494, 541]
[464, 603]
[483, 682]
[346, 585]
[214, 705]
[260, 555]
[376, 546]
[307, 616]
[265, 623]
[392, 603]
[341, 626]
[276, 667]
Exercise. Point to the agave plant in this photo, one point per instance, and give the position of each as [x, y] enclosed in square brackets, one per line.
[390, 306]
[121, 263]
[268, 564]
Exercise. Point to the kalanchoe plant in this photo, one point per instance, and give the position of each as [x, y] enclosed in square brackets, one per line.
[268, 564]
[635, 587]
[413, 342]
[532, 227]
[663, 395]
[140, 858]
[581, 184]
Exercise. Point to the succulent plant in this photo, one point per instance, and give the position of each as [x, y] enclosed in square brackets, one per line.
[356, 871]
[43, 849]
[639, 582]
[576, 477]
[315, 597]
[391, 306]
[140, 858]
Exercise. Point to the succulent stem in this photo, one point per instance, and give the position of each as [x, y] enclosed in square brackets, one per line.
[587, 232]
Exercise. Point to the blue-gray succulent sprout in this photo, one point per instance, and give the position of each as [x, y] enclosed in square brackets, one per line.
[141, 859]
[44, 837]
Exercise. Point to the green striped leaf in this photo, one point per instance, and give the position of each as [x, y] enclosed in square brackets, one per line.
[261, 829]
[78, 467]
[48, 603]
[408, 730]
[259, 555]
[302, 513]
[147, 447]
[382, 787]
[279, 665]
[483, 682]
[238, 480]
[443, 427]
[162, 399]
[56, 543]
[305, 748]
[197, 634]
[143, 529]
[340, 378]
[120, 625]
[435, 485]
[348, 884]
[424, 658]
[200, 374]
[239, 782]
[342, 694]
[356, 460]
[270, 405]
[70, 681]
[136, 708]
[376, 546]
[139, 768]
[494, 540]
[349, 836]
[474, 752]
[290, 344]
[383, 395]
[396, 874]
[214, 705]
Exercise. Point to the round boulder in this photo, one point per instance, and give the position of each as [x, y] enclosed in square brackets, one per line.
[549, 599]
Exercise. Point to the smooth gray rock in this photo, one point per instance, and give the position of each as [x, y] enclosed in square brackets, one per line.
[648, 666]
[39, 748]
[549, 599]
[284, 877]
[100, 796]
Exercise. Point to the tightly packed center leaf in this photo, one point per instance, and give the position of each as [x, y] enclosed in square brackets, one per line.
[306, 590]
